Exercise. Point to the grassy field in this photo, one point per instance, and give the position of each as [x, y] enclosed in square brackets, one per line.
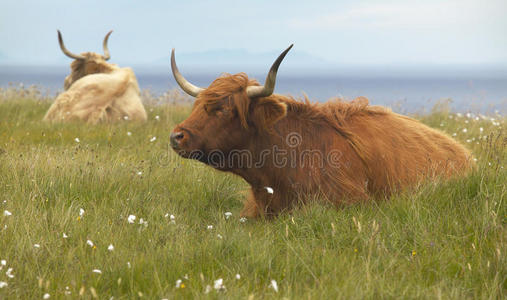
[67, 191]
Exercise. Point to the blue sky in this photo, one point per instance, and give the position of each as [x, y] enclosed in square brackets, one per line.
[365, 33]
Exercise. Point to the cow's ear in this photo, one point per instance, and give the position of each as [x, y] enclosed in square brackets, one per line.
[268, 111]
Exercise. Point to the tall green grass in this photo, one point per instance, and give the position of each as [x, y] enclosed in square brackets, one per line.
[445, 240]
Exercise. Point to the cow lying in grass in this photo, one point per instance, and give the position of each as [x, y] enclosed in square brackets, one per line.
[97, 91]
[340, 151]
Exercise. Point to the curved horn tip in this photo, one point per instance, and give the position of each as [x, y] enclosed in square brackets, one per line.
[106, 55]
[64, 49]
[269, 85]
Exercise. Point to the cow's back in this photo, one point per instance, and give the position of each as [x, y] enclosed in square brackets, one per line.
[399, 151]
[100, 97]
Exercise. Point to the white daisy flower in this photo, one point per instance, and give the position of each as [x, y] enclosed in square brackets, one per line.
[36, 245]
[7, 213]
[228, 214]
[9, 273]
[89, 243]
[178, 283]
[153, 139]
[210, 227]
[97, 271]
[208, 289]
[129, 133]
[238, 277]
[269, 190]
[3, 284]
[131, 219]
[46, 296]
[111, 247]
[219, 284]
[274, 285]
[64, 235]
[81, 212]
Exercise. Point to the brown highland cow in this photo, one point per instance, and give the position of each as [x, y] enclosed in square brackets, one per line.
[340, 151]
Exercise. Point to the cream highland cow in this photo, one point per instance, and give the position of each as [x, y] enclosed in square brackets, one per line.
[97, 91]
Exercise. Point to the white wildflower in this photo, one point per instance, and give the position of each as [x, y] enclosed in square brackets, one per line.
[125, 118]
[89, 243]
[157, 117]
[238, 277]
[36, 245]
[9, 273]
[269, 190]
[129, 265]
[172, 217]
[3, 284]
[64, 235]
[77, 140]
[242, 219]
[129, 133]
[219, 284]
[220, 236]
[131, 219]
[481, 129]
[3, 262]
[46, 296]
[143, 222]
[81, 212]
[208, 289]
[153, 139]
[464, 130]
[454, 134]
[139, 173]
[97, 271]
[111, 247]
[228, 215]
[7, 213]
[210, 227]
[178, 283]
[274, 285]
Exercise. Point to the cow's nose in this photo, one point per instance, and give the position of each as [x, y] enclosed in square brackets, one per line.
[176, 138]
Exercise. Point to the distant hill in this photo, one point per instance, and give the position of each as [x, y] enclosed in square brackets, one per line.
[236, 60]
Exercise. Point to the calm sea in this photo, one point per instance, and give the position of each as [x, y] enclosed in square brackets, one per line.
[405, 93]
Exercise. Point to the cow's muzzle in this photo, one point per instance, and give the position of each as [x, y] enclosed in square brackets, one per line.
[176, 138]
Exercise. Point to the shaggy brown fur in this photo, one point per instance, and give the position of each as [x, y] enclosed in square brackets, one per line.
[341, 151]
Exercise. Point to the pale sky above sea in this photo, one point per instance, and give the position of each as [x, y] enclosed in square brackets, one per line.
[362, 33]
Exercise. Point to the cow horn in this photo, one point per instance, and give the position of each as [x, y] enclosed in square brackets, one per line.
[106, 55]
[189, 88]
[67, 52]
[269, 86]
